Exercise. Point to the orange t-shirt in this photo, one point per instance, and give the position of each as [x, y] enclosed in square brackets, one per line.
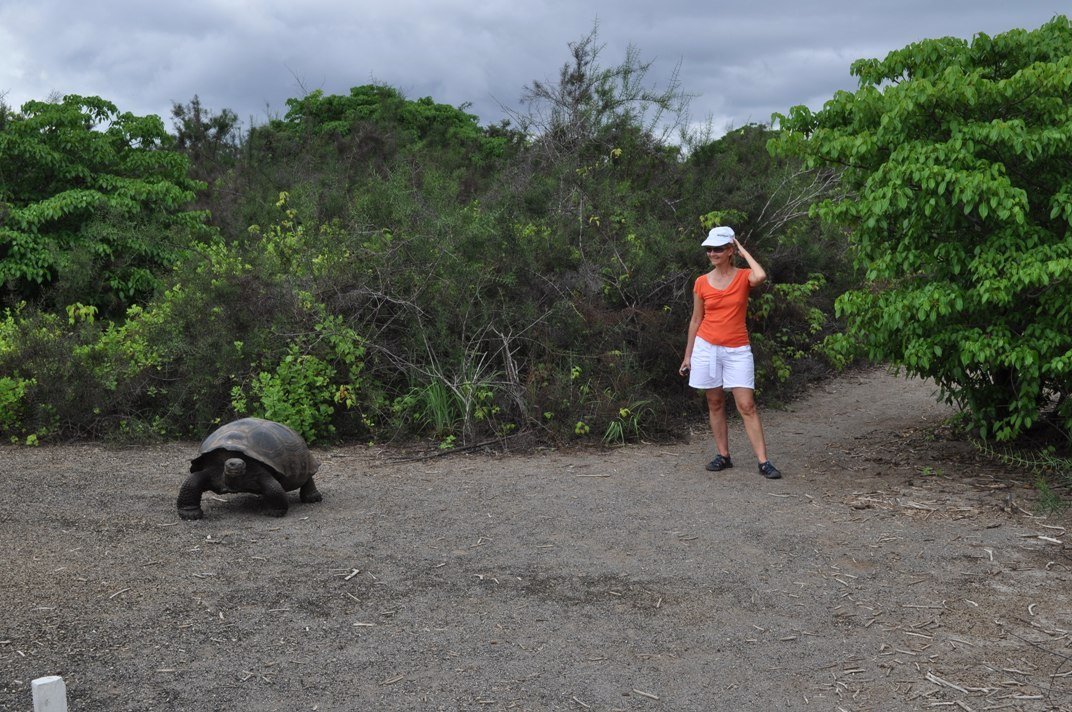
[724, 310]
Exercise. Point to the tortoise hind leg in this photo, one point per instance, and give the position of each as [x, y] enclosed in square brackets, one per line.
[309, 492]
[189, 500]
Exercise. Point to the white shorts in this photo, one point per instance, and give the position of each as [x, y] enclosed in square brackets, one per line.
[721, 366]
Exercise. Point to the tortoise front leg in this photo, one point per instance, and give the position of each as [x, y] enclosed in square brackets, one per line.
[275, 497]
[189, 501]
[309, 492]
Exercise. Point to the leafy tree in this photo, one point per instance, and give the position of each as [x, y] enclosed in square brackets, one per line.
[89, 196]
[957, 162]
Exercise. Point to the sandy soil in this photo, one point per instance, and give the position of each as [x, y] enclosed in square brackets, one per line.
[891, 569]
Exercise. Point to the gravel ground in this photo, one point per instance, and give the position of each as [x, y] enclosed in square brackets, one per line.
[891, 569]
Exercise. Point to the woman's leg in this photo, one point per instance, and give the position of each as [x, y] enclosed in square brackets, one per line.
[716, 414]
[745, 400]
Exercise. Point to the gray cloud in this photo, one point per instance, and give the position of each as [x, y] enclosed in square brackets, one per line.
[742, 60]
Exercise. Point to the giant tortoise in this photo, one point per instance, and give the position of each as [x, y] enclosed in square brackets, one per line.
[250, 455]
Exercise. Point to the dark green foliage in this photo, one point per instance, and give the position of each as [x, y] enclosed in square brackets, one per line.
[958, 196]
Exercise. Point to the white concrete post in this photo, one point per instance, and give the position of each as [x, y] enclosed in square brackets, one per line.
[49, 694]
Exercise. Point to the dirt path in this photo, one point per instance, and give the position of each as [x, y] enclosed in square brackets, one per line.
[890, 570]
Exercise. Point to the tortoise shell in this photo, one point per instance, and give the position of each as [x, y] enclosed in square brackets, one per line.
[272, 444]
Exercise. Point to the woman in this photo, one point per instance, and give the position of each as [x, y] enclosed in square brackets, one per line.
[718, 355]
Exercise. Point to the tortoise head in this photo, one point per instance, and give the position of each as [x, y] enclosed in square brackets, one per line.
[234, 468]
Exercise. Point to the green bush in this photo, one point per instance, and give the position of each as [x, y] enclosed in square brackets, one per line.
[48, 388]
[304, 388]
[298, 393]
[13, 404]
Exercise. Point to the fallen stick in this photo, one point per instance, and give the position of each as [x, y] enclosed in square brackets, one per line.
[453, 450]
[945, 683]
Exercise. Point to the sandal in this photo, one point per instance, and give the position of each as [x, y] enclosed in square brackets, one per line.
[720, 463]
[769, 471]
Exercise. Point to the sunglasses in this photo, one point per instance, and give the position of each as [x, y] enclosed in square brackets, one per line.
[718, 249]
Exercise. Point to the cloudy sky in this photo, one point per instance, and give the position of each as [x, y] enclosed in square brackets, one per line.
[742, 60]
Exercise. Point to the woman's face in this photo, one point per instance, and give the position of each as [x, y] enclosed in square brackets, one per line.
[719, 255]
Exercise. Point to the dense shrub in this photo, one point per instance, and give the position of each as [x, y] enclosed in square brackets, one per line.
[387, 268]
